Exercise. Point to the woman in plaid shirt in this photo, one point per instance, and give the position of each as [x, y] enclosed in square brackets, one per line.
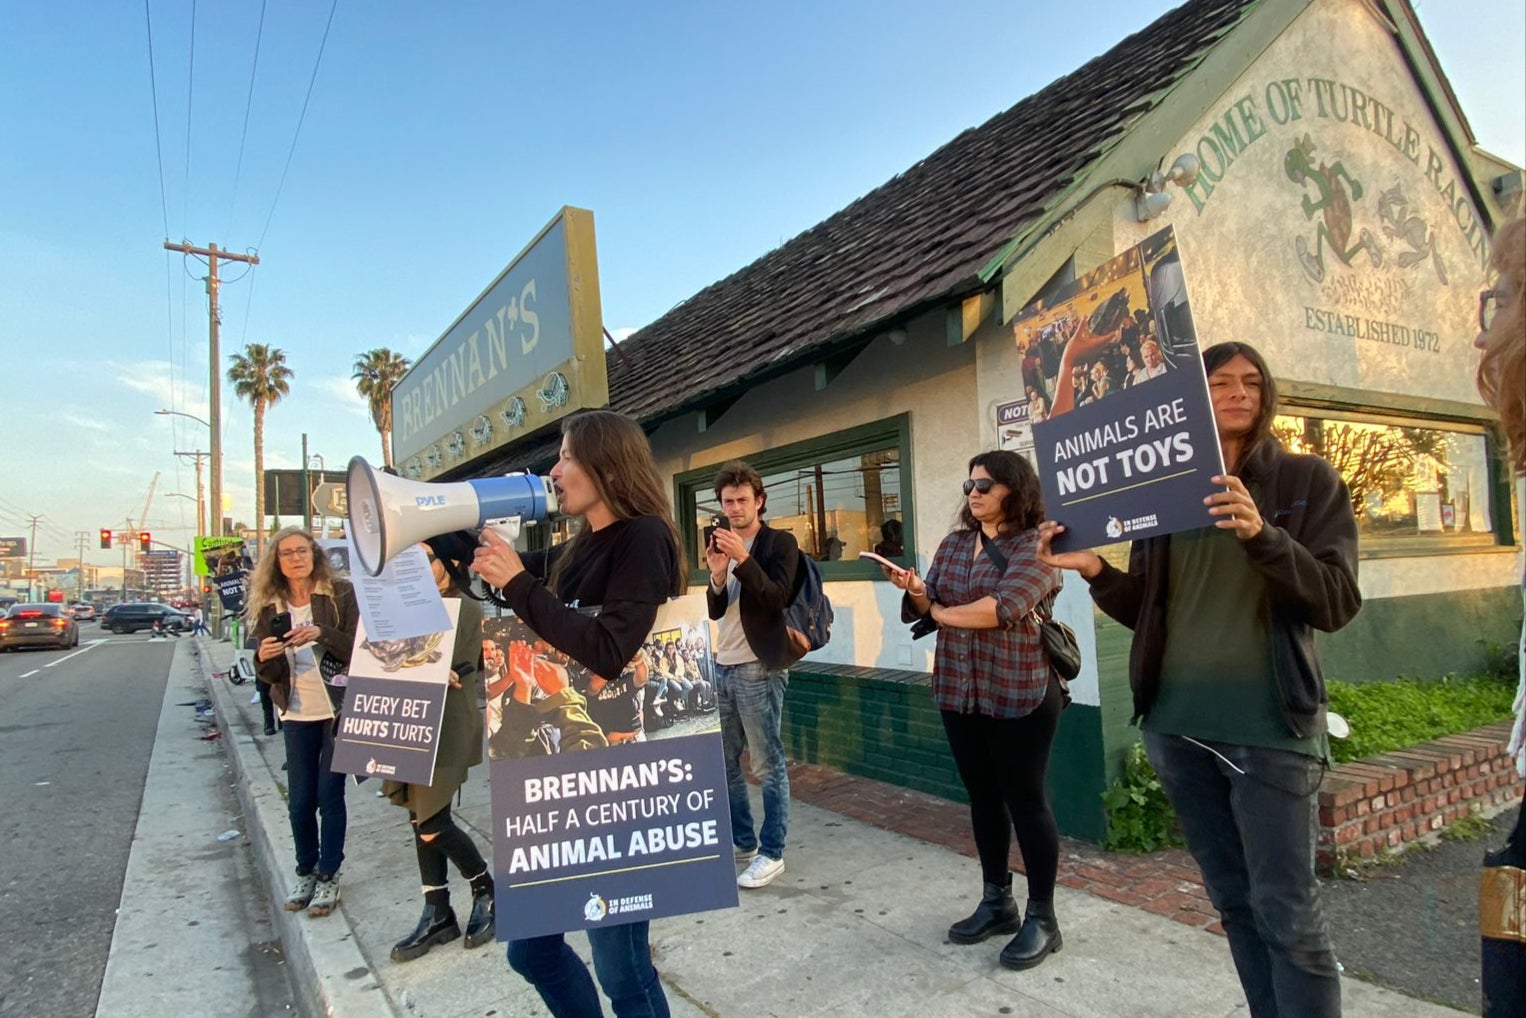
[992, 685]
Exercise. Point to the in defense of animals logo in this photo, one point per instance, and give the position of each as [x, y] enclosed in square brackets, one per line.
[1114, 527]
[594, 909]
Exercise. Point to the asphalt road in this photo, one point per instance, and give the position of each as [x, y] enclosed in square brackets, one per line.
[77, 734]
[76, 731]
[1412, 925]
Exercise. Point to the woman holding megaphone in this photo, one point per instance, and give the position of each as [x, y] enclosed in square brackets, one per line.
[625, 560]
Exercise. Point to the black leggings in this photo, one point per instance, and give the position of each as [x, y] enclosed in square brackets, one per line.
[1002, 762]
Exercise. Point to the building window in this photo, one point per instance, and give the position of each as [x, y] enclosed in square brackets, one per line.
[1413, 482]
[838, 495]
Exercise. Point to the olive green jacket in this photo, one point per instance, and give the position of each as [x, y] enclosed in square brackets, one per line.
[460, 729]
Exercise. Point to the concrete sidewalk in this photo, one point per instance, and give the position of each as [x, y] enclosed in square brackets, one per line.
[854, 927]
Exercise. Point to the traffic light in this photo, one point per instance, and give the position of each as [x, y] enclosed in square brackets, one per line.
[145, 540]
[105, 537]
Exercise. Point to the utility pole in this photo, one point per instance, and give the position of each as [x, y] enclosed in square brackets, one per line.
[214, 388]
[132, 535]
[31, 557]
[201, 519]
[80, 537]
[307, 491]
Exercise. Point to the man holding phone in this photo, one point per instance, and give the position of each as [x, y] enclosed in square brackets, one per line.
[754, 571]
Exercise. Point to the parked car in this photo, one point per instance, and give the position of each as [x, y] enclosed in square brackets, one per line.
[38, 625]
[83, 611]
[129, 618]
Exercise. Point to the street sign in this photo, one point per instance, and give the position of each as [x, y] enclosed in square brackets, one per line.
[329, 499]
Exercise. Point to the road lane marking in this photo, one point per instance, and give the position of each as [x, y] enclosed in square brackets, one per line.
[87, 647]
[27, 675]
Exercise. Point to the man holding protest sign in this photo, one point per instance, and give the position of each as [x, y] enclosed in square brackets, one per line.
[1227, 684]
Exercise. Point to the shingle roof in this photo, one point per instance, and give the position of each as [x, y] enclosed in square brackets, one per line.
[916, 241]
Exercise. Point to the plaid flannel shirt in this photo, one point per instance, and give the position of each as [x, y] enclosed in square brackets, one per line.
[1001, 672]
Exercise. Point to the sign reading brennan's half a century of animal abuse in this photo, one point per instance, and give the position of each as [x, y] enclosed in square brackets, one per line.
[394, 701]
[606, 811]
[1128, 446]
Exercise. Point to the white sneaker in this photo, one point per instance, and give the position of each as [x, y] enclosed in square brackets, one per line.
[761, 872]
[301, 892]
[744, 856]
[325, 897]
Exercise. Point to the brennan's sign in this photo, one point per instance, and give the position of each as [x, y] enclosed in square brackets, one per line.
[528, 352]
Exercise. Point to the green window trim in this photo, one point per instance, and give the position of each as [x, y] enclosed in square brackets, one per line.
[693, 486]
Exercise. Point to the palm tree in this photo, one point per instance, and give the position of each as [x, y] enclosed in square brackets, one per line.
[260, 376]
[377, 373]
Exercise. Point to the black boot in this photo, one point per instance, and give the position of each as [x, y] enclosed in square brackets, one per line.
[1037, 940]
[480, 927]
[436, 926]
[996, 913]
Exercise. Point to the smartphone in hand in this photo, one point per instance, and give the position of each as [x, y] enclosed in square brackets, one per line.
[280, 625]
[721, 523]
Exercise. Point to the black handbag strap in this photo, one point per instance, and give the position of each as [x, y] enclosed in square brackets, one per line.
[994, 554]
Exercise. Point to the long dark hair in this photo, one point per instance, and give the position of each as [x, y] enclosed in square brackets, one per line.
[615, 453]
[1217, 356]
[455, 551]
[1023, 508]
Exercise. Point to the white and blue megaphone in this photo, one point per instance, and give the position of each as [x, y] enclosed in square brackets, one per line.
[389, 514]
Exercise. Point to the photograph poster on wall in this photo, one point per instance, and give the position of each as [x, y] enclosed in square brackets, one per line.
[1117, 400]
[609, 794]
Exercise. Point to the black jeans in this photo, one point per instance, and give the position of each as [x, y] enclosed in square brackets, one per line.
[1250, 819]
[1002, 763]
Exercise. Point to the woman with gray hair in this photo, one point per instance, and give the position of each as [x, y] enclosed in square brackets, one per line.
[299, 614]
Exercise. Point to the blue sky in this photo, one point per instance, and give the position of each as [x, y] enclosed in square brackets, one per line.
[438, 139]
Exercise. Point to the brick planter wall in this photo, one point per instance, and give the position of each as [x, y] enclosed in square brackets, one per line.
[1382, 802]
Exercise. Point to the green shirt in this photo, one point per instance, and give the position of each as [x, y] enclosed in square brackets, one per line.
[1216, 681]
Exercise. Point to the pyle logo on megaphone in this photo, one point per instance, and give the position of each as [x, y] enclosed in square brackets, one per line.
[388, 513]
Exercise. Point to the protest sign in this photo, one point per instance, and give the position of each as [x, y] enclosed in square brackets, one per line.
[209, 552]
[230, 590]
[609, 797]
[394, 702]
[1122, 423]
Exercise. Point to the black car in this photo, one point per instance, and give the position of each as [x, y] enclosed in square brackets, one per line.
[129, 618]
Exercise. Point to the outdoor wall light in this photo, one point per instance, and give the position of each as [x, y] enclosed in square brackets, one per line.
[1151, 199]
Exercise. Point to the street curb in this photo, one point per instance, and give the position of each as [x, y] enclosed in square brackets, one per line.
[329, 974]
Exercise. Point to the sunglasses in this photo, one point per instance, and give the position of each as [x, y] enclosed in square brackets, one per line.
[980, 484]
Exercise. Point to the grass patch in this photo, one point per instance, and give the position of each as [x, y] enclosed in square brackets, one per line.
[1385, 716]
[1469, 828]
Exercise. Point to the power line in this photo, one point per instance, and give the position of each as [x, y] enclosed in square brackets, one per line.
[153, 87]
[292, 151]
[248, 105]
[190, 90]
